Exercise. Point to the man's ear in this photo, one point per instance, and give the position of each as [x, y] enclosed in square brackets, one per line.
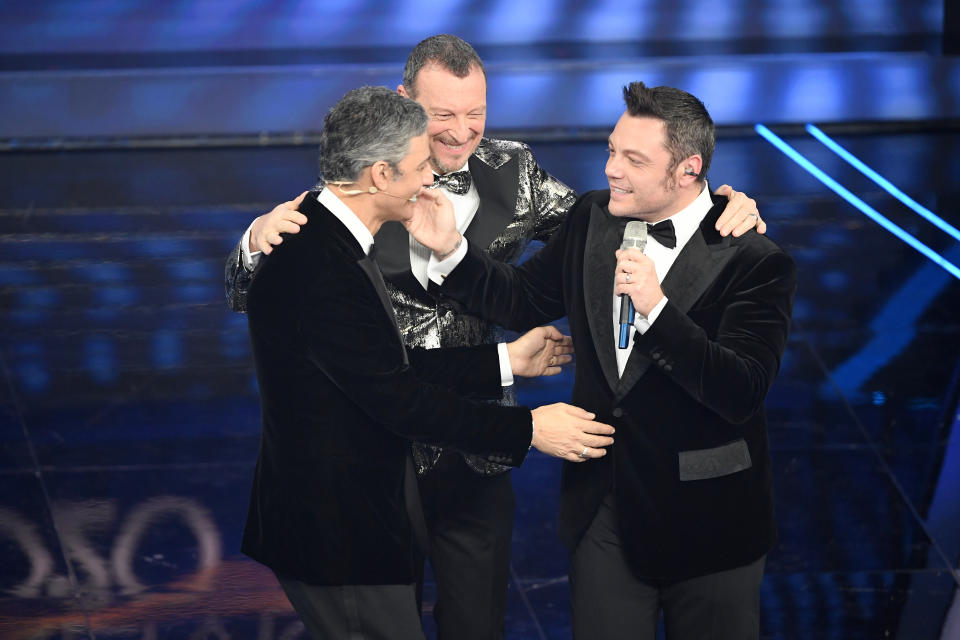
[381, 174]
[691, 168]
[402, 91]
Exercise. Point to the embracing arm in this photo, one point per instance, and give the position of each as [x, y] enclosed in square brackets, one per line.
[265, 232]
[550, 199]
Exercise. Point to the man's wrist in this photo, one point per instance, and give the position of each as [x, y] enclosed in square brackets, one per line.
[443, 256]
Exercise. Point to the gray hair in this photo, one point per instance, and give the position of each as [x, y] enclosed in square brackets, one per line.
[690, 129]
[367, 125]
[450, 52]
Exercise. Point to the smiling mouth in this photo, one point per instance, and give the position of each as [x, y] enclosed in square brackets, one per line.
[614, 189]
[453, 147]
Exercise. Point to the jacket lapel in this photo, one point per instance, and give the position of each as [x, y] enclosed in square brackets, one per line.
[604, 234]
[372, 271]
[497, 189]
[393, 255]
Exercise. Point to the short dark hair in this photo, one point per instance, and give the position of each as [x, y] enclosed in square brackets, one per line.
[450, 52]
[367, 125]
[690, 129]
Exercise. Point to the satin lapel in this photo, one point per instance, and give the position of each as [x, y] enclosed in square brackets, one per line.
[376, 279]
[599, 263]
[393, 255]
[497, 189]
[697, 266]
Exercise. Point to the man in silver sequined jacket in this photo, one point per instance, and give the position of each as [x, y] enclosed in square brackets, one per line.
[502, 200]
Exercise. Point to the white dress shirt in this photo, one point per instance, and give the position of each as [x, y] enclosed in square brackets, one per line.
[685, 223]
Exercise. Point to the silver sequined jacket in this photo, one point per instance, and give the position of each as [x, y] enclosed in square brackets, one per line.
[519, 202]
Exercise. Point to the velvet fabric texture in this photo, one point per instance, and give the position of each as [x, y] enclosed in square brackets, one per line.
[341, 399]
[690, 467]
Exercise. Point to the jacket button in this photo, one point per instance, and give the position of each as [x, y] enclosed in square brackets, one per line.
[655, 355]
[617, 412]
[661, 362]
[668, 368]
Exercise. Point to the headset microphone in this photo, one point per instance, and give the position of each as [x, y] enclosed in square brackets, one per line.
[691, 172]
[370, 190]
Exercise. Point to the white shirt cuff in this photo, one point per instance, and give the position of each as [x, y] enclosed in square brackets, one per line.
[642, 324]
[506, 371]
[437, 270]
[247, 258]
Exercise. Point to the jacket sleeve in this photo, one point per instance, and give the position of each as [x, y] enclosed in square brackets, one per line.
[356, 345]
[517, 297]
[550, 199]
[472, 372]
[236, 281]
[730, 373]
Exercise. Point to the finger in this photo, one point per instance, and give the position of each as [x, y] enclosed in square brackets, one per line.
[552, 333]
[728, 220]
[597, 428]
[761, 227]
[577, 412]
[284, 226]
[299, 199]
[723, 190]
[597, 441]
[430, 195]
[266, 242]
[594, 452]
[745, 225]
[294, 217]
[561, 360]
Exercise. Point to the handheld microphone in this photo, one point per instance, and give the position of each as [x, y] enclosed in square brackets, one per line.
[634, 237]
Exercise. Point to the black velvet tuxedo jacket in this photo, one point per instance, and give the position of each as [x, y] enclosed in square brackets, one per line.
[519, 202]
[690, 467]
[341, 399]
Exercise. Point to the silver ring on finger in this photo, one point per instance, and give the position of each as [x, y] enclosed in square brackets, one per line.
[754, 216]
[628, 278]
[583, 454]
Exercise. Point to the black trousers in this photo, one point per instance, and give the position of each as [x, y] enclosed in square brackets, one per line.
[470, 526]
[609, 602]
[355, 612]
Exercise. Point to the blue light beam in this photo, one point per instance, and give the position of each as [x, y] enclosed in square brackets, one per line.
[866, 209]
[885, 184]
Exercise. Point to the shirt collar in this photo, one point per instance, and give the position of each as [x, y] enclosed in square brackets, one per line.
[687, 220]
[344, 214]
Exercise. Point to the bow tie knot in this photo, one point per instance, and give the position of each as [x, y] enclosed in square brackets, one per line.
[457, 182]
[663, 233]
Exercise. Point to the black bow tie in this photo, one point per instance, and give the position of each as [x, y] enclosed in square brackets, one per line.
[457, 182]
[663, 233]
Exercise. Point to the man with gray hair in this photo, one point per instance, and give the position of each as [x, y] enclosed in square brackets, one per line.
[503, 201]
[334, 509]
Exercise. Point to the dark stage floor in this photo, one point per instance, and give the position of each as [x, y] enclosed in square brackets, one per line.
[129, 419]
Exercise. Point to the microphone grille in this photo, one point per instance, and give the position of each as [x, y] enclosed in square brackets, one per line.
[635, 235]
